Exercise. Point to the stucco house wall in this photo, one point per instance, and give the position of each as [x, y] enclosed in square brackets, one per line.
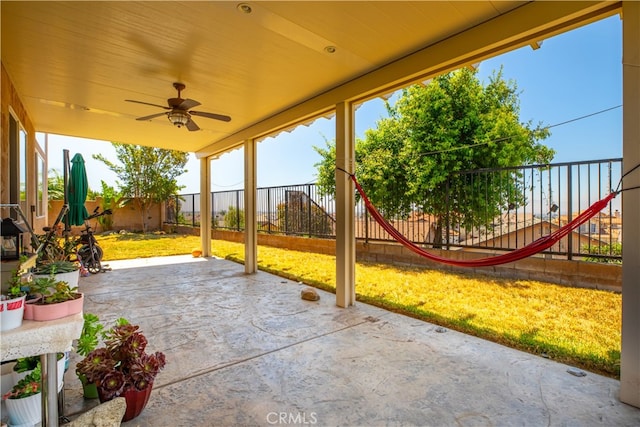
[11, 105]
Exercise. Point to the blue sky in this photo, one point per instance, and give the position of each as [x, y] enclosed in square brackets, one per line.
[575, 74]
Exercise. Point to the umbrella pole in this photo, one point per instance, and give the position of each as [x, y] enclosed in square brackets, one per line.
[66, 166]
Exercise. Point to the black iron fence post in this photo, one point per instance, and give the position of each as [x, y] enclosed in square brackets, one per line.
[366, 222]
[238, 210]
[447, 216]
[193, 210]
[569, 212]
[310, 227]
[269, 210]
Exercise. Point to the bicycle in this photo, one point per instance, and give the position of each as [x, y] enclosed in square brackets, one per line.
[90, 253]
[49, 247]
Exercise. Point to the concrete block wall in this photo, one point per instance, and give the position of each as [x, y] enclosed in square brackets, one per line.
[562, 272]
[124, 218]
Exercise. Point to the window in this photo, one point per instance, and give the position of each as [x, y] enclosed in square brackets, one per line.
[40, 184]
[22, 168]
[13, 163]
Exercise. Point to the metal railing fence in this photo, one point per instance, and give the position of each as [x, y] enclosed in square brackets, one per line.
[497, 209]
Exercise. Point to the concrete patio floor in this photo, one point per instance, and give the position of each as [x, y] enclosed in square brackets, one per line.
[246, 350]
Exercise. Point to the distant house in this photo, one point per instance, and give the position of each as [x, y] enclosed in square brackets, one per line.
[518, 230]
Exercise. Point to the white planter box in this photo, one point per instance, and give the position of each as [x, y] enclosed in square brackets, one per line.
[72, 278]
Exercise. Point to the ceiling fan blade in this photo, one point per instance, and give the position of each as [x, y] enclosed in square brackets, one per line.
[151, 116]
[188, 103]
[211, 115]
[147, 103]
[191, 125]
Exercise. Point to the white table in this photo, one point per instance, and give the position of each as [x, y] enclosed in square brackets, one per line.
[45, 339]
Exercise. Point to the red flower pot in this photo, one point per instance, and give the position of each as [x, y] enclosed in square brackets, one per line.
[136, 401]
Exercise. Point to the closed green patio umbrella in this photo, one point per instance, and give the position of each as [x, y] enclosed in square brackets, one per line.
[78, 187]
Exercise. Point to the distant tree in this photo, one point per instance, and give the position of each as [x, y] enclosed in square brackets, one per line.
[110, 198]
[147, 175]
[409, 162]
[93, 194]
[234, 218]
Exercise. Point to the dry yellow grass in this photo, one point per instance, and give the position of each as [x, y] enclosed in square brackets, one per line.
[577, 326]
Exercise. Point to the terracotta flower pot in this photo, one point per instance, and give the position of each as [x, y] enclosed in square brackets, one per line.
[136, 401]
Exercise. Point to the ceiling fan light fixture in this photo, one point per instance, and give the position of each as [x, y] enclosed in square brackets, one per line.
[244, 8]
[178, 118]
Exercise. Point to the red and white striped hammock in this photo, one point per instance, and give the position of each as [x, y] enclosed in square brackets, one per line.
[532, 248]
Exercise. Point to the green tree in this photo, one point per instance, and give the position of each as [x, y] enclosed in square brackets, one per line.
[147, 175]
[110, 198]
[234, 218]
[410, 162]
[55, 185]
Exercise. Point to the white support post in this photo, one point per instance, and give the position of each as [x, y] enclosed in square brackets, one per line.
[205, 206]
[250, 210]
[630, 358]
[345, 207]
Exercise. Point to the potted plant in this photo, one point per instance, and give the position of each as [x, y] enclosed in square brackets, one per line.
[64, 270]
[23, 402]
[87, 342]
[13, 301]
[25, 365]
[122, 367]
[54, 299]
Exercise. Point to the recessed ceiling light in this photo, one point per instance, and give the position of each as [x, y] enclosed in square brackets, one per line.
[330, 49]
[244, 8]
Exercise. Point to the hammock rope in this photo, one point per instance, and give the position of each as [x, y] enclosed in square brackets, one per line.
[532, 248]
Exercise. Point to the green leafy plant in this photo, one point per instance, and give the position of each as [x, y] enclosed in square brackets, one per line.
[55, 185]
[17, 282]
[52, 290]
[614, 249]
[27, 386]
[25, 364]
[55, 248]
[58, 266]
[122, 364]
[110, 199]
[90, 335]
[234, 218]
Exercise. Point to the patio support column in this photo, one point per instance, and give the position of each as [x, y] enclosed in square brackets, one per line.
[345, 207]
[250, 214]
[205, 206]
[630, 357]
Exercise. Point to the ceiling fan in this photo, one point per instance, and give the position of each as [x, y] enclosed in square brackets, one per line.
[179, 111]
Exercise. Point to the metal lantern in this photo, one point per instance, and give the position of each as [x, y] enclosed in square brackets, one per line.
[11, 245]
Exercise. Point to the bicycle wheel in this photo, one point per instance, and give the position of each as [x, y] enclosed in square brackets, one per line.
[91, 260]
[98, 251]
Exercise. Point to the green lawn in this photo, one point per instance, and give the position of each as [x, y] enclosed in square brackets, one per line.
[577, 326]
